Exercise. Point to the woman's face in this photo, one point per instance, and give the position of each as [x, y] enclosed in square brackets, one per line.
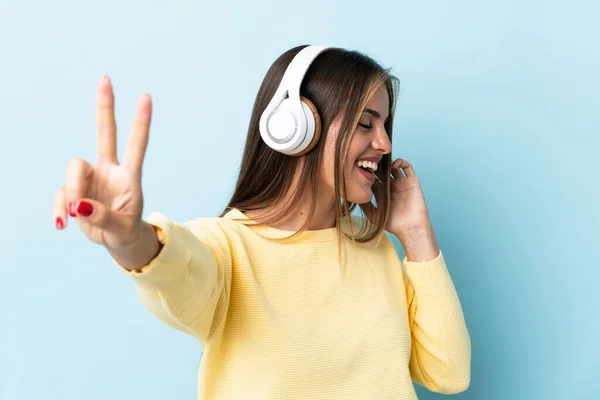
[369, 143]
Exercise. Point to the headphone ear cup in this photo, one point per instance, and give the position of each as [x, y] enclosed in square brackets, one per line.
[314, 114]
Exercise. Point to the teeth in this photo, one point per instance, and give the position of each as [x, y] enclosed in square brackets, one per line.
[367, 164]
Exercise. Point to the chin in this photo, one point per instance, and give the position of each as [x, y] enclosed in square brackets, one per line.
[360, 195]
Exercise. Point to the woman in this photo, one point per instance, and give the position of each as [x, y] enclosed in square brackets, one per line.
[290, 293]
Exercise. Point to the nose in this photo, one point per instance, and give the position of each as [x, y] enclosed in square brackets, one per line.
[381, 141]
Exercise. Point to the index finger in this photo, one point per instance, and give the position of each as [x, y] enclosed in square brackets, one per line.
[405, 166]
[106, 126]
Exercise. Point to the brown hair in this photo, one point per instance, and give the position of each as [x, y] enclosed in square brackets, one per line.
[338, 82]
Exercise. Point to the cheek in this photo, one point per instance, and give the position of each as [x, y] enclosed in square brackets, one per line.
[349, 168]
[358, 145]
[353, 153]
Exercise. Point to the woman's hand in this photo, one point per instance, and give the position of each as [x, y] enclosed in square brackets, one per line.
[105, 199]
[408, 209]
[409, 216]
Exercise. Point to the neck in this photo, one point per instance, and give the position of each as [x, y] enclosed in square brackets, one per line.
[323, 215]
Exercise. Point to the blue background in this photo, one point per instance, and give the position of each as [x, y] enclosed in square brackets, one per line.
[499, 113]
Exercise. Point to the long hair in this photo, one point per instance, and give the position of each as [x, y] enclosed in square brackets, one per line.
[339, 82]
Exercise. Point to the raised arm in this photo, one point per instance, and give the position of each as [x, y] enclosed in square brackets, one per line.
[180, 271]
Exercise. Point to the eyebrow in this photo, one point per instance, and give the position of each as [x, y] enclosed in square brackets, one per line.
[372, 112]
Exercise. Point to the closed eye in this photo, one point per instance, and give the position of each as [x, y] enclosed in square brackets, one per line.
[365, 126]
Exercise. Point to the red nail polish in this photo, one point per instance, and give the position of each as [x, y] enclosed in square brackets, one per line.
[72, 209]
[59, 223]
[85, 209]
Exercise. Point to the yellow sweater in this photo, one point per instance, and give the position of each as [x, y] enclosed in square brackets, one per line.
[284, 321]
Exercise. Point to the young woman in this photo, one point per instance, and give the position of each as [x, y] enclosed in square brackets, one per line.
[290, 292]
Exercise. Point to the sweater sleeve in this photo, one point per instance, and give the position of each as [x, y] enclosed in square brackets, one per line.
[440, 357]
[187, 284]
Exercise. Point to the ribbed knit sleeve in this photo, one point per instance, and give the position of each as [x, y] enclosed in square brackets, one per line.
[440, 357]
[187, 284]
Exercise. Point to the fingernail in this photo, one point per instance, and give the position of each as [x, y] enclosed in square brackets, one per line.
[85, 209]
[59, 223]
[72, 209]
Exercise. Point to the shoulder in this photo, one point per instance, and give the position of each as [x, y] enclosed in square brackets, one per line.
[222, 228]
[217, 227]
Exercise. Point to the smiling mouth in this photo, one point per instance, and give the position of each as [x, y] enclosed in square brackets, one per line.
[367, 173]
[368, 166]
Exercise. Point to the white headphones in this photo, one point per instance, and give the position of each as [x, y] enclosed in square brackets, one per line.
[290, 124]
